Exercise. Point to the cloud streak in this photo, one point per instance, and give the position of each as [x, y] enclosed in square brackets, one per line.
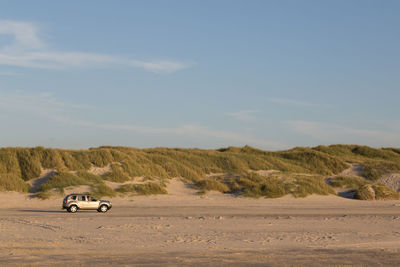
[295, 102]
[336, 133]
[47, 106]
[28, 50]
[193, 130]
[243, 115]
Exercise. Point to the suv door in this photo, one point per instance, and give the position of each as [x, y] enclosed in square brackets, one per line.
[83, 204]
[92, 203]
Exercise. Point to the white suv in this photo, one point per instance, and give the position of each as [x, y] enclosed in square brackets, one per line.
[73, 202]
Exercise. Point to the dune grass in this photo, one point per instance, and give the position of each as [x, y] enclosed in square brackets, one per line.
[270, 188]
[307, 185]
[43, 195]
[10, 182]
[212, 185]
[376, 192]
[151, 188]
[117, 174]
[61, 180]
[256, 186]
[382, 192]
[348, 182]
[102, 190]
[18, 165]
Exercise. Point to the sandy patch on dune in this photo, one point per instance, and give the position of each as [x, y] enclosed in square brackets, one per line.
[77, 189]
[176, 187]
[134, 180]
[354, 170]
[100, 170]
[266, 172]
[391, 180]
[44, 176]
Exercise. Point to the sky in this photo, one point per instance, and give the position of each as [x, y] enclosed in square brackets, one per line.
[205, 74]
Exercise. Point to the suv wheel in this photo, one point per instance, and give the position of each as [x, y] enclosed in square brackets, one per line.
[73, 208]
[103, 208]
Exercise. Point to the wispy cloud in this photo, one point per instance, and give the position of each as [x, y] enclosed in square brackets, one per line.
[336, 133]
[296, 102]
[243, 115]
[47, 106]
[193, 130]
[25, 34]
[29, 50]
[161, 66]
[8, 73]
[44, 104]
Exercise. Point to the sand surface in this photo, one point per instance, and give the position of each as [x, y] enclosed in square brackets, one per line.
[185, 229]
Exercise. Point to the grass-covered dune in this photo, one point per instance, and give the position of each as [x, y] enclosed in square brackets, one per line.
[299, 171]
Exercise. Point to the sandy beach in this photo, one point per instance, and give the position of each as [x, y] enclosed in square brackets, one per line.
[183, 228]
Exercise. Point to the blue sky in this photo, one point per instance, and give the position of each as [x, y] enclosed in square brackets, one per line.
[208, 74]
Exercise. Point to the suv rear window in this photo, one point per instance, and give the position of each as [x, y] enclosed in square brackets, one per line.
[82, 198]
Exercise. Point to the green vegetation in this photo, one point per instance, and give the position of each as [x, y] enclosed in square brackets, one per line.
[212, 185]
[383, 192]
[61, 180]
[269, 188]
[376, 192]
[254, 185]
[102, 190]
[151, 188]
[348, 182]
[43, 195]
[117, 174]
[301, 169]
[308, 185]
[365, 192]
[10, 182]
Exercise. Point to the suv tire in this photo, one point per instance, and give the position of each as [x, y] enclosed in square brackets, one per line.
[103, 208]
[73, 208]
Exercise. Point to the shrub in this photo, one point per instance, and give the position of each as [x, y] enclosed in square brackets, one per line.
[51, 159]
[117, 174]
[61, 180]
[370, 152]
[383, 192]
[100, 157]
[365, 192]
[377, 191]
[89, 177]
[151, 188]
[308, 185]
[10, 182]
[314, 161]
[102, 190]
[43, 195]
[30, 166]
[270, 188]
[212, 185]
[347, 182]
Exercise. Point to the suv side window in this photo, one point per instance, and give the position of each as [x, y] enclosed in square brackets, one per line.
[82, 198]
[73, 197]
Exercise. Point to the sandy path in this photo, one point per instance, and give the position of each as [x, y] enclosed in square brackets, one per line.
[183, 229]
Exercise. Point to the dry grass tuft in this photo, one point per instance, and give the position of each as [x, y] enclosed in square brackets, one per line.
[151, 188]
[376, 192]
